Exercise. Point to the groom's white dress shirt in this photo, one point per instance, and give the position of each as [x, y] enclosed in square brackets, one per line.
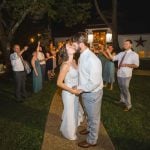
[90, 72]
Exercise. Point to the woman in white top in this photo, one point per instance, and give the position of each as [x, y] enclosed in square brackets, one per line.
[42, 59]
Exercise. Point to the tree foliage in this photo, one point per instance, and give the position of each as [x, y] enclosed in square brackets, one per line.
[14, 12]
[69, 11]
[72, 13]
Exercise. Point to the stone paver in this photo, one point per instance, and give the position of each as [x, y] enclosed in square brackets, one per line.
[53, 140]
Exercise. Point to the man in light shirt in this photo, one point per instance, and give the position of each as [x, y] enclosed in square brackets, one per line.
[127, 61]
[91, 86]
[19, 72]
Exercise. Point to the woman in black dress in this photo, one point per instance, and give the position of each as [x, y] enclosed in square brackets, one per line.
[49, 66]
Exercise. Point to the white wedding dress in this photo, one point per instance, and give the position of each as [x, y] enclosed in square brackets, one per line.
[73, 113]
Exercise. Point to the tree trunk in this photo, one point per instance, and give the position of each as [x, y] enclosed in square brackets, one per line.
[3, 42]
[114, 26]
[17, 24]
[6, 38]
[101, 14]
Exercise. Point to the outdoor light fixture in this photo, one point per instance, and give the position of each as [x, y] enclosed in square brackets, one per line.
[108, 37]
[90, 37]
[32, 40]
[39, 34]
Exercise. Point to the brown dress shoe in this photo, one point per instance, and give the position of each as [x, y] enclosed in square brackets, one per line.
[85, 144]
[84, 131]
[126, 109]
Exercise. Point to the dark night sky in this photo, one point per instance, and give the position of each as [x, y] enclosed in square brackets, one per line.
[133, 17]
[136, 16]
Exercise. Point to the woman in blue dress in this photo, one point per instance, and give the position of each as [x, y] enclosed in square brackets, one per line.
[37, 74]
[102, 57]
[109, 69]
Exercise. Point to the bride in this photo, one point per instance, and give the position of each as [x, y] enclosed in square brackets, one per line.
[68, 81]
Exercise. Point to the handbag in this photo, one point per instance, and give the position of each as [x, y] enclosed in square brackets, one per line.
[27, 67]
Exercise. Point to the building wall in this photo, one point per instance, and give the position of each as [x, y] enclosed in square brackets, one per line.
[141, 43]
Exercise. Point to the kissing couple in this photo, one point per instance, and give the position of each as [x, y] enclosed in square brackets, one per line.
[85, 79]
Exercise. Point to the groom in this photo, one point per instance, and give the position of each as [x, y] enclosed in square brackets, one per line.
[91, 87]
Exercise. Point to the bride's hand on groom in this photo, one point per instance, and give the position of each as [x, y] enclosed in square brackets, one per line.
[76, 91]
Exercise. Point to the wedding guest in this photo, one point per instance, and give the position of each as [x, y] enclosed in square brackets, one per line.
[109, 68]
[37, 73]
[102, 57]
[127, 61]
[49, 66]
[58, 58]
[53, 52]
[19, 72]
[41, 58]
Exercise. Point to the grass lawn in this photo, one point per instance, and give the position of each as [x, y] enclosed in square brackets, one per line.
[22, 124]
[129, 130]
